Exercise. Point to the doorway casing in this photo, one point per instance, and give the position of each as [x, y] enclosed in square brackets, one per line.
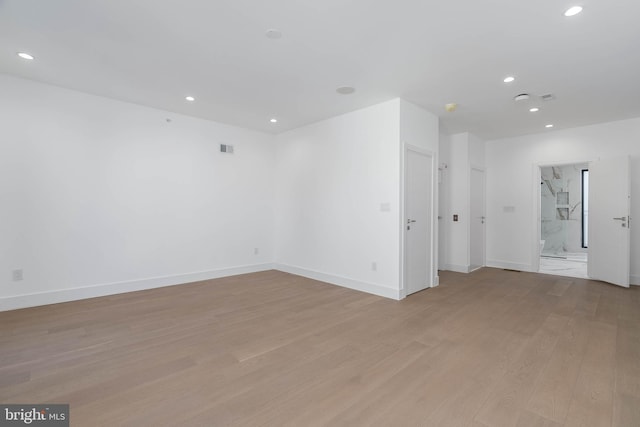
[537, 203]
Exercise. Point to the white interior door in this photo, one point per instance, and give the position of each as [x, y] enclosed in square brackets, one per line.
[477, 228]
[418, 221]
[609, 220]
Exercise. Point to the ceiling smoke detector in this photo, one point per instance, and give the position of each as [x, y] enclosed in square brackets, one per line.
[345, 90]
[522, 97]
[548, 97]
[273, 34]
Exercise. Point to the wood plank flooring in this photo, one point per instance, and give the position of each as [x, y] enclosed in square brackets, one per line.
[491, 348]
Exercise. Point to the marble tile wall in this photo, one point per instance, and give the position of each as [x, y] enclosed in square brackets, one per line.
[561, 222]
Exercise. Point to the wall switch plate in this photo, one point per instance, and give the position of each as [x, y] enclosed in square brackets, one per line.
[385, 207]
[256, 251]
[374, 266]
[17, 275]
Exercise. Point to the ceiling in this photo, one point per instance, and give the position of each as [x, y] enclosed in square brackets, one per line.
[156, 52]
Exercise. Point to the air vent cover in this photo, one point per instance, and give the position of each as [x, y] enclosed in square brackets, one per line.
[224, 148]
[548, 97]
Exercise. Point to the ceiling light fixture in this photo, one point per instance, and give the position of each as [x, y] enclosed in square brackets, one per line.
[274, 120]
[189, 98]
[25, 55]
[534, 109]
[549, 126]
[345, 90]
[573, 11]
[522, 97]
[509, 79]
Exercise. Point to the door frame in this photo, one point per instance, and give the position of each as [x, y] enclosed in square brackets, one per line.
[434, 279]
[537, 204]
[484, 213]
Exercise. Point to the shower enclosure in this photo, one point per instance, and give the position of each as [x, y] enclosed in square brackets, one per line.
[561, 216]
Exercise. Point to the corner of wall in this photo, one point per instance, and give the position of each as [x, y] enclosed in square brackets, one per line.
[345, 282]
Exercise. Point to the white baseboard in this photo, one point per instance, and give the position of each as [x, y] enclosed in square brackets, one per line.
[457, 268]
[634, 279]
[508, 265]
[345, 282]
[74, 294]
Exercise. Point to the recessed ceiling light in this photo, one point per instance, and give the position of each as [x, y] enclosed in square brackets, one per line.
[522, 97]
[272, 33]
[534, 109]
[189, 98]
[572, 11]
[549, 126]
[274, 120]
[345, 90]
[509, 79]
[25, 55]
[451, 107]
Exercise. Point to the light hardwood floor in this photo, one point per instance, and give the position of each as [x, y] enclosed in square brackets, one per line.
[491, 348]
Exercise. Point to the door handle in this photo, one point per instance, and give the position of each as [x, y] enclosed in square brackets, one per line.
[623, 219]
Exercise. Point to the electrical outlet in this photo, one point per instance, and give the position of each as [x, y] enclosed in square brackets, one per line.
[17, 275]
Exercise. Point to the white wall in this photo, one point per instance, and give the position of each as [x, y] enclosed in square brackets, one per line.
[418, 127]
[444, 203]
[332, 178]
[476, 151]
[99, 196]
[510, 183]
[458, 242]
[465, 150]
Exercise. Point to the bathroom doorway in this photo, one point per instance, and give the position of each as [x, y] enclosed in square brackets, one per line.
[564, 215]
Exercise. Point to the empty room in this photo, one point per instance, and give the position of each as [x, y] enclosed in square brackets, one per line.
[363, 213]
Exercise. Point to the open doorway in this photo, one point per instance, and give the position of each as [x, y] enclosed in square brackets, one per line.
[564, 213]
